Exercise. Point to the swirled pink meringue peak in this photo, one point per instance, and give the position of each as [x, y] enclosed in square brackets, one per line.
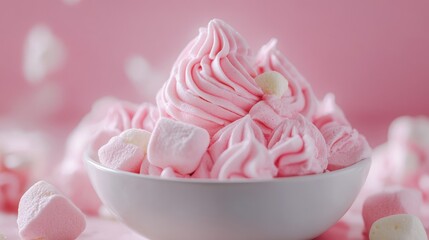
[299, 97]
[345, 145]
[247, 159]
[234, 133]
[294, 94]
[328, 111]
[298, 148]
[212, 83]
[224, 114]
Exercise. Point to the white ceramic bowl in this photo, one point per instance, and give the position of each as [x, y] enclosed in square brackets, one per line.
[186, 209]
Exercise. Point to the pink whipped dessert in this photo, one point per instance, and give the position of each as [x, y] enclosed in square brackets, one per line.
[225, 113]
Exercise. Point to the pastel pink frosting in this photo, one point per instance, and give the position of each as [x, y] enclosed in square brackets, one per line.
[247, 159]
[328, 111]
[236, 132]
[345, 145]
[298, 148]
[212, 82]
[239, 151]
[298, 99]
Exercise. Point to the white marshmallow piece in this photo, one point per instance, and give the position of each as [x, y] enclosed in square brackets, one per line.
[177, 145]
[43, 54]
[398, 227]
[272, 83]
[44, 213]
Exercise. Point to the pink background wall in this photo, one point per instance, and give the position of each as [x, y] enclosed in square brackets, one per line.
[372, 54]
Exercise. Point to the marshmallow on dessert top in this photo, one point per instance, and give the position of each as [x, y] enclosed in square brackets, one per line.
[299, 97]
[283, 97]
[272, 83]
[46, 214]
[126, 151]
[177, 145]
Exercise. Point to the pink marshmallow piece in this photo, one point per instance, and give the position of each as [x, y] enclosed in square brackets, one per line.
[44, 213]
[177, 145]
[404, 201]
[126, 151]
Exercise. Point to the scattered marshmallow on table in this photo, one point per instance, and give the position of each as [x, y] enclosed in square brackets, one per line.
[177, 145]
[405, 201]
[398, 227]
[44, 213]
[125, 151]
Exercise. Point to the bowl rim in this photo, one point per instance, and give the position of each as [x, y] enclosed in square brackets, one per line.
[314, 177]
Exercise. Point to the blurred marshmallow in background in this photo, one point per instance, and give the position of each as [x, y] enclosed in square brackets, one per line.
[24, 159]
[43, 54]
[139, 71]
[399, 166]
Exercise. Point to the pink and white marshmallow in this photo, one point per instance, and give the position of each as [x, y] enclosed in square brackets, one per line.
[405, 201]
[126, 151]
[398, 227]
[177, 145]
[44, 213]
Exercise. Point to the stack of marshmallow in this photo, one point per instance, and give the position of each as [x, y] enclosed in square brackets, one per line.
[226, 114]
